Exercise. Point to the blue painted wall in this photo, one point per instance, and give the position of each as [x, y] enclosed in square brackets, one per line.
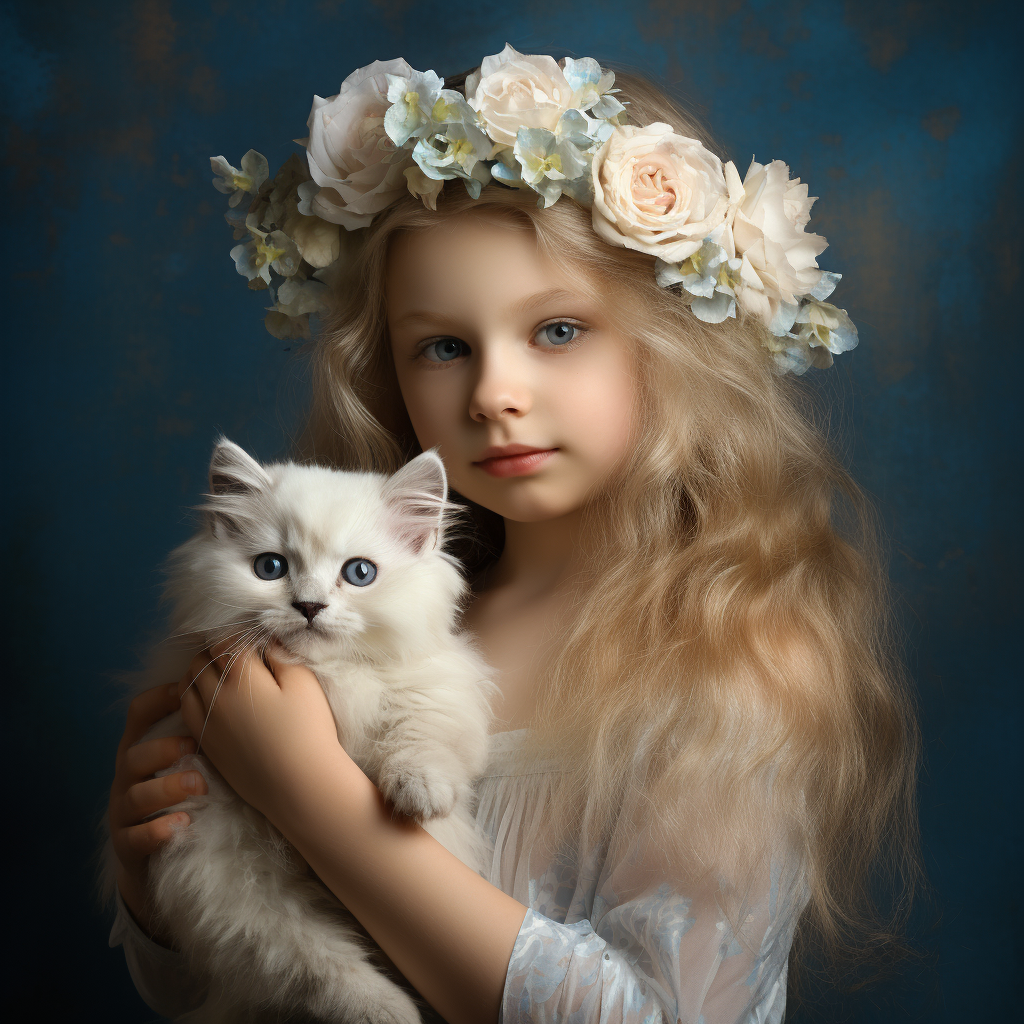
[130, 342]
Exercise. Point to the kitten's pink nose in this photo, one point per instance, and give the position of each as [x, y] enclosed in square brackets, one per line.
[309, 608]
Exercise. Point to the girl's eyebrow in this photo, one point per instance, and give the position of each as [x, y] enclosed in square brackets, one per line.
[517, 308]
[530, 302]
[423, 316]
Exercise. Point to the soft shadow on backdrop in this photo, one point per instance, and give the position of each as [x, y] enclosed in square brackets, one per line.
[134, 342]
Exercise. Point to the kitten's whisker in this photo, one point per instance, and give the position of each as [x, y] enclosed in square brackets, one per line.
[264, 641]
[242, 635]
[248, 677]
[250, 638]
[209, 711]
[196, 632]
[220, 682]
[239, 634]
[252, 703]
[213, 700]
[227, 604]
[197, 675]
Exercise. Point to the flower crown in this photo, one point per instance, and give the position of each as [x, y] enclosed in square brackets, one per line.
[557, 128]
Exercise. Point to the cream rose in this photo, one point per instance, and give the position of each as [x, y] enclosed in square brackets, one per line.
[513, 90]
[350, 155]
[767, 216]
[657, 192]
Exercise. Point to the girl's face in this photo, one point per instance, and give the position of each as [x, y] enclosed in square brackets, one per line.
[494, 345]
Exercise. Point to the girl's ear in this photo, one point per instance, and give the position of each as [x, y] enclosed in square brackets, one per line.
[416, 496]
[234, 471]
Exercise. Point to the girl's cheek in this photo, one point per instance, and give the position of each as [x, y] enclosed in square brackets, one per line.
[602, 414]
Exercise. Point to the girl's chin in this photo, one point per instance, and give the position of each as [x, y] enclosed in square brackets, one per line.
[532, 512]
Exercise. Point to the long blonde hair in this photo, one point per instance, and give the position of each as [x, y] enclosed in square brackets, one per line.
[736, 628]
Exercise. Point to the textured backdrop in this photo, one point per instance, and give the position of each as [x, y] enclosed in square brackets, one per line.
[133, 342]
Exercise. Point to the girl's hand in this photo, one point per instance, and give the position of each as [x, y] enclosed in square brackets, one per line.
[268, 730]
[135, 794]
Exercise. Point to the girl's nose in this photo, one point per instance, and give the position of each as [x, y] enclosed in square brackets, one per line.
[501, 387]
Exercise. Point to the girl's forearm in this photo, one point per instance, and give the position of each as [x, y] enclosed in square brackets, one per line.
[446, 929]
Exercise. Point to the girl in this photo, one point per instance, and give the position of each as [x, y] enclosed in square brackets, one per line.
[703, 744]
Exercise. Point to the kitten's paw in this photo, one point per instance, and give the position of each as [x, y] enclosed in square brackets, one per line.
[422, 794]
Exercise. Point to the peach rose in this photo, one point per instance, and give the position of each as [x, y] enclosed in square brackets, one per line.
[359, 170]
[767, 217]
[657, 192]
[513, 90]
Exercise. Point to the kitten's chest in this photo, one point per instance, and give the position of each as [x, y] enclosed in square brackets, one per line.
[358, 697]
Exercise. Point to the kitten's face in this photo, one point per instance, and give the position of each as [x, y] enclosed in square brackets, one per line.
[330, 564]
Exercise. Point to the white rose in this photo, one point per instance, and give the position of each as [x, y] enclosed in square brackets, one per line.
[657, 192]
[513, 90]
[351, 158]
[767, 216]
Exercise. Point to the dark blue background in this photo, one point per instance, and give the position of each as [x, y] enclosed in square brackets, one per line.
[133, 341]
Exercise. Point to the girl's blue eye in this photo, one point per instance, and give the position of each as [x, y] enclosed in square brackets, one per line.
[359, 571]
[559, 333]
[269, 566]
[443, 350]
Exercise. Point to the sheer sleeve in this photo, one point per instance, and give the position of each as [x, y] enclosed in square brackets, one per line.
[161, 975]
[615, 944]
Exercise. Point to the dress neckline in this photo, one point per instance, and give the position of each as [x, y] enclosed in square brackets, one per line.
[504, 748]
[508, 739]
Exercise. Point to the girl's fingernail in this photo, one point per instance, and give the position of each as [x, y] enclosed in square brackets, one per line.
[180, 819]
[188, 746]
[192, 781]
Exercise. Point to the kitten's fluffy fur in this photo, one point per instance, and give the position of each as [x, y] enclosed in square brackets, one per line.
[408, 692]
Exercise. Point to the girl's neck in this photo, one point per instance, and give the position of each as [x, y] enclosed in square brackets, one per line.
[538, 557]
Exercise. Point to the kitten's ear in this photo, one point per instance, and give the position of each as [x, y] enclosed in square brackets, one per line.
[234, 471]
[234, 476]
[417, 495]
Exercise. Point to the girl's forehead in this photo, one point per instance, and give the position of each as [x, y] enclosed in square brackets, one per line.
[475, 256]
[461, 237]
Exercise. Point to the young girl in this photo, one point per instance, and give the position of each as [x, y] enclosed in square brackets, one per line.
[703, 745]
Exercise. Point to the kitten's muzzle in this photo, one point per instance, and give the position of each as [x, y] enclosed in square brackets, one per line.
[311, 609]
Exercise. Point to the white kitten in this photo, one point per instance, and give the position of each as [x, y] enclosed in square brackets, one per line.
[345, 570]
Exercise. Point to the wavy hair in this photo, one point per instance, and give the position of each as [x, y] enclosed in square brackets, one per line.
[736, 628]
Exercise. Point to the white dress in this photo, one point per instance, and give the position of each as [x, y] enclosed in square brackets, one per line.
[586, 952]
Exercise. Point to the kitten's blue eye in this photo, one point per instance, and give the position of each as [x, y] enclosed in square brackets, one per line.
[443, 350]
[359, 571]
[269, 566]
[559, 334]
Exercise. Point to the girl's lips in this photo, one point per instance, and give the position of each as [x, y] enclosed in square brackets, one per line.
[515, 465]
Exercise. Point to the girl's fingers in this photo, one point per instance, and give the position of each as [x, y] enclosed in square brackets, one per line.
[145, 759]
[193, 712]
[216, 677]
[201, 678]
[221, 665]
[219, 651]
[147, 709]
[197, 689]
[146, 798]
[272, 657]
[148, 837]
[284, 671]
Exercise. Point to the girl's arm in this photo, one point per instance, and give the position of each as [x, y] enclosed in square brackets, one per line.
[271, 734]
[654, 958]
[162, 976]
[647, 952]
